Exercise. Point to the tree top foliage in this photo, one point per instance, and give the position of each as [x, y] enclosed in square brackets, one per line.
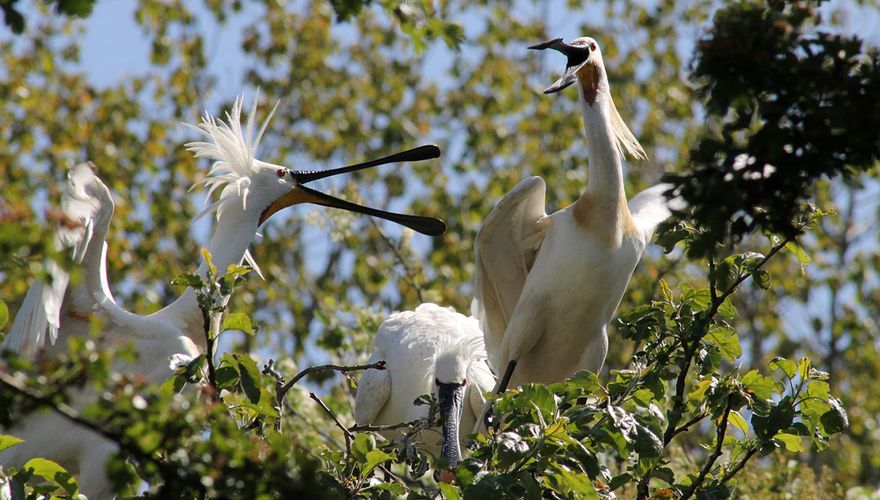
[708, 370]
[787, 103]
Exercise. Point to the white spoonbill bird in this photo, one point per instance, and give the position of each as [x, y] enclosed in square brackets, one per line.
[432, 350]
[547, 286]
[251, 191]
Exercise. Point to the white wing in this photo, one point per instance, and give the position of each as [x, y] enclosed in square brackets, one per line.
[650, 207]
[374, 389]
[505, 252]
[86, 209]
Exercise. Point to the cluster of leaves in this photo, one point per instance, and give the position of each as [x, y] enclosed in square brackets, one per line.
[787, 105]
[380, 99]
[557, 439]
[213, 292]
[14, 19]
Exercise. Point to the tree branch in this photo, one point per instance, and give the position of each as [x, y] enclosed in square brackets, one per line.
[269, 369]
[345, 432]
[719, 443]
[734, 471]
[387, 427]
[379, 365]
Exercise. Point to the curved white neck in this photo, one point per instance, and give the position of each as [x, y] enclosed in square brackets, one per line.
[232, 235]
[606, 174]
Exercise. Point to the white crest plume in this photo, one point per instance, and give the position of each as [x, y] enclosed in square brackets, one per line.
[233, 151]
[463, 359]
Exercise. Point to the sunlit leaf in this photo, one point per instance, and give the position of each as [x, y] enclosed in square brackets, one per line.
[791, 442]
[7, 441]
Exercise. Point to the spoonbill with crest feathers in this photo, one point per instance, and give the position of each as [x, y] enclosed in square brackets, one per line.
[251, 191]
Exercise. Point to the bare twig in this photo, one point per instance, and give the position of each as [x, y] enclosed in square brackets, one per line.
[379, 365]
[282, 386]
[269, 369]
[732, 472]
[349, 435]
[388, 427]
[719, 443]
[211, 336]
[689, 424]
[345, 432]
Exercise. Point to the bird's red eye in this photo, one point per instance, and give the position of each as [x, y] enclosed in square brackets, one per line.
[463, 382]
[592, 46]
[280, 173]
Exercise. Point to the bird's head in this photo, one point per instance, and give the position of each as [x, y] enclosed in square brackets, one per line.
[461, 361]
[584, 62]
[265, 188]
[585, 65]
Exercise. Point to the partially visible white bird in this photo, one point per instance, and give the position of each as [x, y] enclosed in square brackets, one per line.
[547, 286]
[432, 350]
[251, 191]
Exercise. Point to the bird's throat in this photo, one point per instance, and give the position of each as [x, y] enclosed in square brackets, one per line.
[588, 79]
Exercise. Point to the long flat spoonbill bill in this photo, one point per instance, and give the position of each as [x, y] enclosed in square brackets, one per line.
[547, 286]
[251, 191]
[432, 350]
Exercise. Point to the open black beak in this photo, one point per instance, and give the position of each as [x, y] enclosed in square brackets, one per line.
[451, 400]
[303, 194]
[577, 56]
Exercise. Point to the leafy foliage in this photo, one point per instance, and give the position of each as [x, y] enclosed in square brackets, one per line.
[788, 105]
[14, 19]
[709, 375]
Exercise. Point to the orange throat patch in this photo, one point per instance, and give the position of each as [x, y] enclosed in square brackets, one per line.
[588, 79]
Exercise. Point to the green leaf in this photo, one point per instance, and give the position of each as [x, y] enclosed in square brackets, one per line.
[362, 444]
[666, 293]
[4, 314]
[226, 377]
[798, 252]
[207, 256]
[620, 480]
[792, 442]
[727, 341]
[835, 420]
[238, 321]
[449, 491]
[759, 385]
[803, 369]
[188, 279]
[78, 8]
[647, 444]
[394, 488]
[762, 278]
[7, 441]
[374, 458]
[740, 423]
[786, 366]
[571, 484]
[250, 377]
[727, 310]
[54, 472]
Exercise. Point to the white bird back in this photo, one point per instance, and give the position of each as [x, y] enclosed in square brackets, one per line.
[419, 346]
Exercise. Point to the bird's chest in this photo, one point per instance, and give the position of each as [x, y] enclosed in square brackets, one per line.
[585, 259]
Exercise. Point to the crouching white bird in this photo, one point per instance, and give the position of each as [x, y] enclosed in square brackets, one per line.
[432, 350]
[251, 191]
[547, 286]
